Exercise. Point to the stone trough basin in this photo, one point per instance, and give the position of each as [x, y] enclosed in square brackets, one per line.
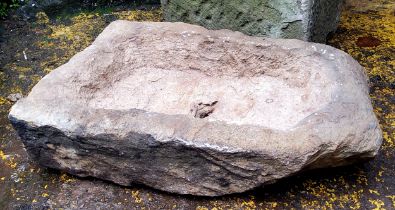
[187, 110]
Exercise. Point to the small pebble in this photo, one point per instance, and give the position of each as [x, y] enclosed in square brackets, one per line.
[14, 97]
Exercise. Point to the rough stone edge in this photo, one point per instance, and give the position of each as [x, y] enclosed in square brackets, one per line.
[316, 161]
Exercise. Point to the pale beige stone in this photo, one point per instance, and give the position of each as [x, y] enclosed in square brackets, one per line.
[192, 111]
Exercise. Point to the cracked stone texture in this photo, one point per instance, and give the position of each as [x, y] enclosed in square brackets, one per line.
[187, 110]
[303, 19]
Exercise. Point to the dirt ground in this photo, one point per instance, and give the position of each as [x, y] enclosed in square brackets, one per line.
[29, 50]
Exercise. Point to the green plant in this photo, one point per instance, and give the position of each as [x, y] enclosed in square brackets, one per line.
[7, 5]
[3, 9]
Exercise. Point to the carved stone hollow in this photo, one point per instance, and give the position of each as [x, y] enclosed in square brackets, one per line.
[187, 110]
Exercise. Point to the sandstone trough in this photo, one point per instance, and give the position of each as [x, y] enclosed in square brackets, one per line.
[187, 110]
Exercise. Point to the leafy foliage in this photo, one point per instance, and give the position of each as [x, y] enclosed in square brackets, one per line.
[6, 5]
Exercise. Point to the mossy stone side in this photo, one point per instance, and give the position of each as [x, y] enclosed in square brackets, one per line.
[324, 18]
[271, 18]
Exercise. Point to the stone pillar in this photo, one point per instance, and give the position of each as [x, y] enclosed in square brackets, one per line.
[309, 20]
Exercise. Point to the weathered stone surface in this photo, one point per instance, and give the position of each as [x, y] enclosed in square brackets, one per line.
[192, 111]
[305, 19]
